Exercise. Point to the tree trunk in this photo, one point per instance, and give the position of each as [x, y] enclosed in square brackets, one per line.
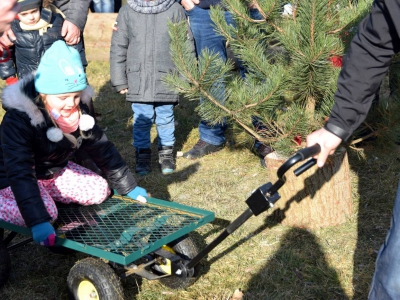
[318, 197]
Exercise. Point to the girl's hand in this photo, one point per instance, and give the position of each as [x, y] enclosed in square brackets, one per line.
[44, 234]
[124, 91]
[139, 194]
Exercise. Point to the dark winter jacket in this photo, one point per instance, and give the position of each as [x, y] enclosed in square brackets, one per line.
[75, 11]
[364, 67]
[30, 46]
[140, 54]
[27, 154]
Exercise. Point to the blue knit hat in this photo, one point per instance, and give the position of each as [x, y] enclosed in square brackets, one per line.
[60, 71]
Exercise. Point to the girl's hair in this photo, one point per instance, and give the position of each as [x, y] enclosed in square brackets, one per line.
[68, 136]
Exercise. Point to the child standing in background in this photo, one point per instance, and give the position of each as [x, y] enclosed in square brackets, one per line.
[37, 27]
[139, 58]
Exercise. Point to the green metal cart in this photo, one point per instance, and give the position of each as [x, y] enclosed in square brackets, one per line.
[125, 237]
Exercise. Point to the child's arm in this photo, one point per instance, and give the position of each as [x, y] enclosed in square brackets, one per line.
[7, 68]
[118, 52]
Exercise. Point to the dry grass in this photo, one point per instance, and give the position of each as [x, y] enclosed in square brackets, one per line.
[264, 259]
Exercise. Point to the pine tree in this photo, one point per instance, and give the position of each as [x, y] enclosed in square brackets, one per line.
[292, 63]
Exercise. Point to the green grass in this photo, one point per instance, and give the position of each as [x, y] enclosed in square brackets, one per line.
[264, 259]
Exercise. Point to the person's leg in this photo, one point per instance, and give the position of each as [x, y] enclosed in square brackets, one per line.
[212, 137]
[76, 184]
[386, 281]
[9, 211]
[166, 136]
[143, 119]
[107, 6]
[97, 6]
[165, 123]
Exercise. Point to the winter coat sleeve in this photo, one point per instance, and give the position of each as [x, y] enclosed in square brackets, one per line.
[75, 11]
[118, 52]
[18, 142]
[364, 67]
[107, 158]
[7, 68]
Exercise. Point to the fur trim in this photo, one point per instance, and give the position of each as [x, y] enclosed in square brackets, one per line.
[86, 122]
[87, 95]
[54, 134]
[15, 97]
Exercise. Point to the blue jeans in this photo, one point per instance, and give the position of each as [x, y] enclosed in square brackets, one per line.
[205, 37]
[144, 115]
[103, 6]
[386, 280]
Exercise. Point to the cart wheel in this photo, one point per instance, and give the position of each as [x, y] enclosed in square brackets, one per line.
[5, 264]
[187, 249]
[91, 279]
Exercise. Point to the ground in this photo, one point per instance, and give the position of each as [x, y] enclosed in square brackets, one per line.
[264, 259]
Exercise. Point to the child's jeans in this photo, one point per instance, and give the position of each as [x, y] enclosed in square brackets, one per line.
[144, 115]
[74, 184]
[386, 282]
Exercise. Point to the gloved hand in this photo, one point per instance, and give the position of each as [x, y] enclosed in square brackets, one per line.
[44, 234]
[139, 194]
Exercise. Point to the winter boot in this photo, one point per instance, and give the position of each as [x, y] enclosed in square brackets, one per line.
[201, 149]
[143, 161]
[166, 159]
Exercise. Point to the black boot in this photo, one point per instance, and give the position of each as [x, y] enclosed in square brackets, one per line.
[166, 159]
[143, 161]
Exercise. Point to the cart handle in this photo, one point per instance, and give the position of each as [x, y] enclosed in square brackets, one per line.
[301, 155]
[260, 200]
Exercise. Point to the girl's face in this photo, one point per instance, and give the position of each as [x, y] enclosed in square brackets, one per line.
[30, 17]
[65, 104]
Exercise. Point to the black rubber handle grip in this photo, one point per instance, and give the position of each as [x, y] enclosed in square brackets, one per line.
[304, 167]
[309, 151]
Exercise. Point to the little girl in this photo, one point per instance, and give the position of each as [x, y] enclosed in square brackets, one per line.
[46, 123]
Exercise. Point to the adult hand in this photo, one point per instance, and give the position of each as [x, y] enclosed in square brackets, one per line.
[8, 38]
[71, 33]
[328, 142]
[124, 91]
[8, 10]
[139, 194]
[44, 234]
[189, 4]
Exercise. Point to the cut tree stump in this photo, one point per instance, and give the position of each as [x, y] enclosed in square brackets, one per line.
[319, 197]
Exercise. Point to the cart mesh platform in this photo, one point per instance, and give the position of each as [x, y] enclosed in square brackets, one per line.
[122, 230]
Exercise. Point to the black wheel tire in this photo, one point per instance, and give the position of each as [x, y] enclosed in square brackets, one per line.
[187, 249]
[5, 264]
[99, 274]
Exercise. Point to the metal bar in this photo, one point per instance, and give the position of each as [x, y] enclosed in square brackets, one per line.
[20, 244]
[10, 237]
[231, 228]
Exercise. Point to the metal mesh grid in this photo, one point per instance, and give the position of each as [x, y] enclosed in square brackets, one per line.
[121, 226]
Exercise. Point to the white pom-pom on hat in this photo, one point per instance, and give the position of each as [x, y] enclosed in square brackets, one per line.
[86, 122]
[54, 134]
